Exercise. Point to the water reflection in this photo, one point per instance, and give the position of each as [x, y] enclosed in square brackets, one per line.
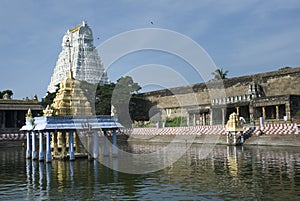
[237, 173]
[48, 178]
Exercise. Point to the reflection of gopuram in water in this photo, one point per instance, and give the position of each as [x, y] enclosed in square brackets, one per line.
[254, 172]
[72, 131]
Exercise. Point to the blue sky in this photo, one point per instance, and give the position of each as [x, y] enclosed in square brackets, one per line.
[243, 37]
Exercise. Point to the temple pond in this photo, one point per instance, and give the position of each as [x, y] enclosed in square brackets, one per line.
[228, 173]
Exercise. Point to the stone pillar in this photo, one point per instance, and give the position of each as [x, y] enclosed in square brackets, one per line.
[223, 116]
[211, 116]
[96, 145]
[15, 119]
[251, 112]
[48, 147]
[67, 140]
[203, 119]
[105, 146]
[28, 146]
[194, 119]
[277, 112]
[263, 112]
[71, 146]
[77, 143]
[288, 111]
[188, 119]
[237, 110]
[63, 145]
[115, 146]
[34, 151]
[41, 146]
[55, 145]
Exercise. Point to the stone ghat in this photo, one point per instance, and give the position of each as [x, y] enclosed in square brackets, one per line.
[277, 129]
[268, 129]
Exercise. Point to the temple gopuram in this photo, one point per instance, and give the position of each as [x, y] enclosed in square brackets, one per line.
[78, 48]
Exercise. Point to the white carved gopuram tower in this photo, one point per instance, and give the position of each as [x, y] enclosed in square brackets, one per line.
[79, 53]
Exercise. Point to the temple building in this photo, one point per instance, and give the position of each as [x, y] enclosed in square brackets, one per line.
[79, 52]
[12, 113]
[274, 96]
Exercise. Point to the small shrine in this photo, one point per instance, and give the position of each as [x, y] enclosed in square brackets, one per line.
[70, 129]
[234, 129]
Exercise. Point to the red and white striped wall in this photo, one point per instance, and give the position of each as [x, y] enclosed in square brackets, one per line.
[268, 129]
[13, 136]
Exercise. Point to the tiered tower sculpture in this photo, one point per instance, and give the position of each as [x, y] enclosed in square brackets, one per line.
[70, 100]
[78, 47]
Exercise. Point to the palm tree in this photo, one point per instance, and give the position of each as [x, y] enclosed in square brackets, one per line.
[220, 74]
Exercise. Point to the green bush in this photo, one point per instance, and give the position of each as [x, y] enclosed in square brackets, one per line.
[176, 121]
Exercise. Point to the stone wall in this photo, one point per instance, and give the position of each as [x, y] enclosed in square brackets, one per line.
[282, 82]
[285, 81]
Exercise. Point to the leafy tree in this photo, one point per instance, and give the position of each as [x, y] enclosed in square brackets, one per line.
[7, 91]
[124, 89]
[220, 74]
[139, 107]
[129, 104]
[103, 99]
[48, 100]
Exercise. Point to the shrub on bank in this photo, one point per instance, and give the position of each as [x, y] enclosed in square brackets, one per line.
[176, 122]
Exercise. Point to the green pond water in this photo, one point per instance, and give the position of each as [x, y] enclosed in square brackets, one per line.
[227, 173]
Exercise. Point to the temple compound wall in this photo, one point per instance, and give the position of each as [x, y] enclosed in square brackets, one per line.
[275, 96]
